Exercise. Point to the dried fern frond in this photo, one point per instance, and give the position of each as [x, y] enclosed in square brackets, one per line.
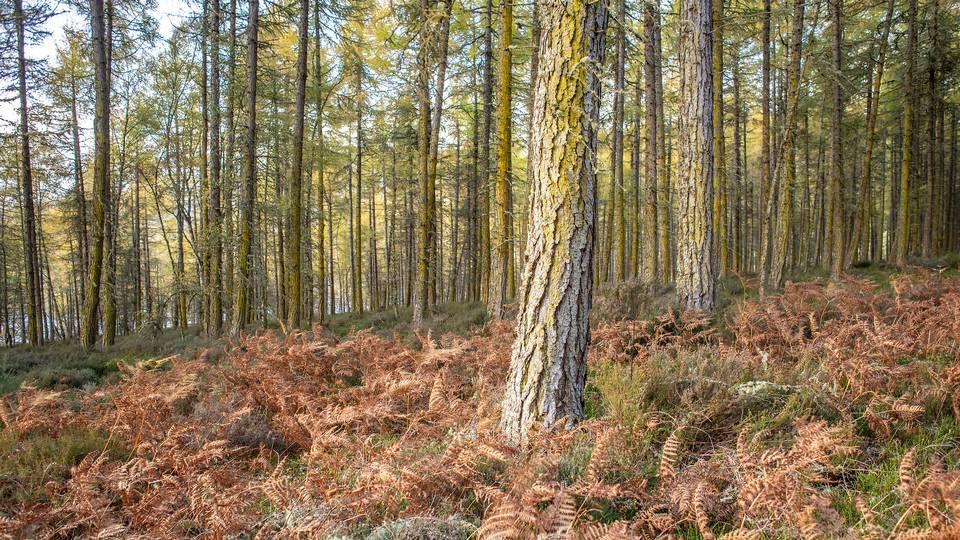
[669, 454]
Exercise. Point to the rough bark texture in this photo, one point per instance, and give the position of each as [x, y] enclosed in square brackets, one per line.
[619, 253]
[695, 272]
[765, 135]
[548, 367]
[421, 294]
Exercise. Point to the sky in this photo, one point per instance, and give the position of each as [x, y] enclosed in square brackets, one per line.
[169, 13]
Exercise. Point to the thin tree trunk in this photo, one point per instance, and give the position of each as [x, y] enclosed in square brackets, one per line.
[101, 171]
[650, 237]
[503, 235]
[835, 187]
[34, 304]
[863, 200]
[243, 306]
[784, 176]
[295, 316]
[906, 161]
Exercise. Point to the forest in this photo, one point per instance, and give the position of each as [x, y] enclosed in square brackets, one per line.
[479, 269]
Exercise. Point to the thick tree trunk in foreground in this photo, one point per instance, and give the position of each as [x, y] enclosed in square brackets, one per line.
[101, 172]
[548, 366]
[695, 271]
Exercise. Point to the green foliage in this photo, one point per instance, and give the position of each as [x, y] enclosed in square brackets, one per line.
[456, 318]
[64, 365]
[27, 464]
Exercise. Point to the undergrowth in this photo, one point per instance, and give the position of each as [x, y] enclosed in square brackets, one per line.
[827, 411]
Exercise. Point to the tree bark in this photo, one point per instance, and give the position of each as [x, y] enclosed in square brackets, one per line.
[695, 271]
[502, 242]
[835, 187]
[243, 306]
[720, 239]
[548, 365]
[620, 253]
[649, 253]
[34, 332]
[784, 176]
[101, 171]
[863, 200]
[906, 160]
[295, 192]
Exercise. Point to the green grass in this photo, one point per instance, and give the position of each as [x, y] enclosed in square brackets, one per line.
[28, 463]
[458, 318]
[66, 365]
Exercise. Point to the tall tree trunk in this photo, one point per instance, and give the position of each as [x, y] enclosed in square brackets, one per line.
[906, 161]
[421, 294]
[635, 216]
[650, 253]
[739, 218]
[835, 187]
[664, 203]
[357, 305]
[485, 128]
[863, 200]
[83, 241]
[784, 176]
[620, 253]
[320, 149]
[765, 137]
[455, 217]
[295, 316]
[695, 270]
[215, 313]
[929, 214]
[720, 239]
[548, 365]
[101, 170]
[230, 168]
[31, 262]
[502, 240]
[243, 306]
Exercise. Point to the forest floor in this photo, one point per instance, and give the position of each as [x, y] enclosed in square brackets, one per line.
[827, 411]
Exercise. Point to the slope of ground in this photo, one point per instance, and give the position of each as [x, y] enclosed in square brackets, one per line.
[827, 411]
